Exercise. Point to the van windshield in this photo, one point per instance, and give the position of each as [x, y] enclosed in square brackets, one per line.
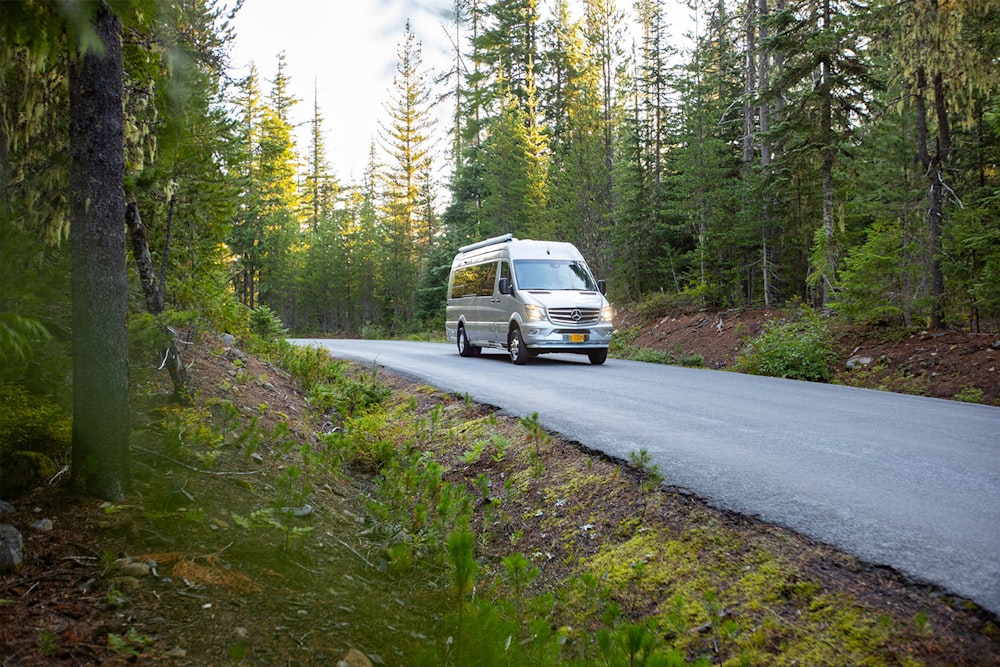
[550, 274]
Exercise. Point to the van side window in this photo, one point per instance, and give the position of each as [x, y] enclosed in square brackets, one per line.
[474, 280]
[505, 271]
[487, 277]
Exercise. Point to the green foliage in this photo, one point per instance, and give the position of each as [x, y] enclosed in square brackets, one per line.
[282, 520]
[371, 331]
[349, 396]
[187, 431]
[536, 432]
[131, 644]
[421, 510]
[33, 433]
[878, 282]
[34, 308]
[17, 334]
[970, 394]
[30, 422]
[48, 643]
[623, 347]
[461, 554]
[311, 366]
[265, 323]
[362, 442]
[643, 462]
[800, 348]
[660, 304]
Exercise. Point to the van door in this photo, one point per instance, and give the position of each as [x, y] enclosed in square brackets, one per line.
[501, 305]
[479, 316]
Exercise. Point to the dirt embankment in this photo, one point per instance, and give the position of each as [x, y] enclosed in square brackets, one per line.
[938, 363]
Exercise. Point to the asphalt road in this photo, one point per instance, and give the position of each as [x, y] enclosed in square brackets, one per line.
[904, 481]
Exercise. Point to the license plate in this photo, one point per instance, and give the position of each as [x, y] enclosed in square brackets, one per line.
[578, 338]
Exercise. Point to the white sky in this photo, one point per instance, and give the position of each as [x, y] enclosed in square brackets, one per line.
[345, 50]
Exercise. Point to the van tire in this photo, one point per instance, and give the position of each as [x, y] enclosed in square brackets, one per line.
[598, 357]
[516, 347]
[465, 348]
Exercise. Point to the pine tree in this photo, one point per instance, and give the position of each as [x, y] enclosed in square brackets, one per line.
[409, 219]
[646, 259]
[827, 77]
[244, 239]
[705, 192]
[321, 186]
[513, 175]
[267, 220]
[944, 70]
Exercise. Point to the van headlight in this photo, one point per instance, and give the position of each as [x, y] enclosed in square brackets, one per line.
[534, 313]
[606, 314]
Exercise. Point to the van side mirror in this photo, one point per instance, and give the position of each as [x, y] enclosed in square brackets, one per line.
[505, 287]
[602, 287]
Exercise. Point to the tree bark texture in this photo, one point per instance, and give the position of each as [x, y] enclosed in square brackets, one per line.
[143, 260]
[99, 281]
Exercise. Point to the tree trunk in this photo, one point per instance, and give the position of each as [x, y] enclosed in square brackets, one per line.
[933, 163]
[99, 281]
[152, 290]
[828, 148]
[935, 213]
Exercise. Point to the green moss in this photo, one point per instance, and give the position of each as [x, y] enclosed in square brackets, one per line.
[835, 631]
[616, 564]
[763, 585]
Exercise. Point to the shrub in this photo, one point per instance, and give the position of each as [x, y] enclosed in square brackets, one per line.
[799, 349]
[265, 323]
[311, 366]
[660, 304]
[29, 422]
[970, 394]
[33, 431]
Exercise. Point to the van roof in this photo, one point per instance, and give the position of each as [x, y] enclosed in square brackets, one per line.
[514, 248]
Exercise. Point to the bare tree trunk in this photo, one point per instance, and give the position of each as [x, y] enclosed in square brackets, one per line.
[935, 213]
[766, 148]
[933, 164]
[152, 290]
[828, 148]
[99, 278]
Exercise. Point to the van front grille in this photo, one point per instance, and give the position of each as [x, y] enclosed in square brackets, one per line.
[575, 315]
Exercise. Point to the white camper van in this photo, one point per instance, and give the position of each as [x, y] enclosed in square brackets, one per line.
[526, 297]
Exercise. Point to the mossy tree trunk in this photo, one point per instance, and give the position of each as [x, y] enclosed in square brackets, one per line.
[99, 280]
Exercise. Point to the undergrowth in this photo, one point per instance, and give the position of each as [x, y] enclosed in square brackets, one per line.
[799, 348]
[455, 492]
[623, 347]
[648, 596]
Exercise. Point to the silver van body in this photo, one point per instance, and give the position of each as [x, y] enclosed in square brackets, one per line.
[528, 298]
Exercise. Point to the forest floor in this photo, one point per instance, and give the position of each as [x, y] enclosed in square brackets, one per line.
[180, 574]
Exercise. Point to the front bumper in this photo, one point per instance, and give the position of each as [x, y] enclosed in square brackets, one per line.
[544, 336]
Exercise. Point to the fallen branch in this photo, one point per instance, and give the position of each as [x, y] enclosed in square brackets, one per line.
[353, 551]
[220, 473]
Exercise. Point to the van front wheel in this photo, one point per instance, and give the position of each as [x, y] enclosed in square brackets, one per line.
[598, 357]
[515, 345]
[465, 348]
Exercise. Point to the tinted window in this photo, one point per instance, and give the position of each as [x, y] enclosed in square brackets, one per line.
[474, 280]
